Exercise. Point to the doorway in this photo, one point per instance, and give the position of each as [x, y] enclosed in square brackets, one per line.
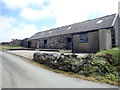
[69, 43]
[45, 43]
[29, 44]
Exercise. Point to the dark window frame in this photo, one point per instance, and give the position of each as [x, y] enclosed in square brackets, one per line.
[83, 37]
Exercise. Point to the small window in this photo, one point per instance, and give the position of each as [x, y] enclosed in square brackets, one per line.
[100, 21]
[42, 33]
[84, 38]
[50, 31]
[69, 28]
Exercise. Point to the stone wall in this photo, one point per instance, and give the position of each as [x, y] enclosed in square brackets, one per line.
[97, 40]
[33, 44]
[85, 65]
[117, 31]
[58, 61]
[56, 42]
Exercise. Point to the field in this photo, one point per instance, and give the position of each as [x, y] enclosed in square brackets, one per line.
[9, 47]
[114, 51]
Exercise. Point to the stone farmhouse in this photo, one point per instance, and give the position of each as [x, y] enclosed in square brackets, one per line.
[19, 42]
[15, 42]
[84, 37]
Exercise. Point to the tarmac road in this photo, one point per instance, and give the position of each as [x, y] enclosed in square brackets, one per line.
[18, 73]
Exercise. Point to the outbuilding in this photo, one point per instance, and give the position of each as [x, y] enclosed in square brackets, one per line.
[15, 42]
[84, 37]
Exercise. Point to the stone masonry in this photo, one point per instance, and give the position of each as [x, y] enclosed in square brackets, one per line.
[56, 42]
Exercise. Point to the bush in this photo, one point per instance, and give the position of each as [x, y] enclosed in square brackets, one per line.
[104, 64]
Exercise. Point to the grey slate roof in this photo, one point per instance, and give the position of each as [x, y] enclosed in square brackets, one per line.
[89, 25]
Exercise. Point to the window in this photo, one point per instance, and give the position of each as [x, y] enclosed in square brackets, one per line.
[42, 33]
[50, 31]
[69, 28]
[84, 38]
[100, 21]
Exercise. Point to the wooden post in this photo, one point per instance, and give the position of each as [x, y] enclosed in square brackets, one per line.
[119, 23]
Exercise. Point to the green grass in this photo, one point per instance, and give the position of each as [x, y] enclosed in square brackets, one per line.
[109, 79]
[105, 79]
[114, 51]
[75, 75]
[9, 47]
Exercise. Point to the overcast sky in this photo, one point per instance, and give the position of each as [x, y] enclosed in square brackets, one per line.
[21, 19]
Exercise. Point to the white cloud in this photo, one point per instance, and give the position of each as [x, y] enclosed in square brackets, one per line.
[44, 28]
[65, 12]
[34, 14]
[24, 32]
[9, 30]
[6, 27]
[14, 4]
[72, 11]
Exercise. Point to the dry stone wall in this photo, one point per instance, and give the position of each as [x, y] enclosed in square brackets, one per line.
[56, 42]
[58, 61]
[87, 65]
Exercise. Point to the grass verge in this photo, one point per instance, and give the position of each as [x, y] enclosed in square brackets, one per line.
[109, 79]
[9, 47]
[114, 51]
[75, 75]
[103, 79]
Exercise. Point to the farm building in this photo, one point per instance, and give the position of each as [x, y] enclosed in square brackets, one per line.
[24, 42]
[19, 42]
[5, 43]
[83, 37]
[15, 42]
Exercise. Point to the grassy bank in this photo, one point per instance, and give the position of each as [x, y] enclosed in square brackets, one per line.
[103, 66]
[75, 75]
[114, 51]
[9, 47]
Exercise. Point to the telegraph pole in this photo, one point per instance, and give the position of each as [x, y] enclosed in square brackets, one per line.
[119, 24]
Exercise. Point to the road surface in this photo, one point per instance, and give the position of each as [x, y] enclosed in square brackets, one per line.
[29, 53]
[18, 73]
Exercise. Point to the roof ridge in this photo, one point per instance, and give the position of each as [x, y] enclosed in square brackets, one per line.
[114, 19]
[95, 18]
[75, 23]
[110, 17]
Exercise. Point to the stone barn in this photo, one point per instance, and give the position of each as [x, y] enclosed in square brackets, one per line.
[84, 37]
[24, 42]
[15, 42]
